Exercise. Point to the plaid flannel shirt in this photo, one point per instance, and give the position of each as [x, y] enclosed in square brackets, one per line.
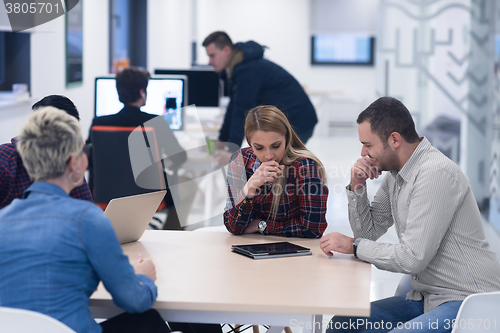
[302, 208]
[14, 178]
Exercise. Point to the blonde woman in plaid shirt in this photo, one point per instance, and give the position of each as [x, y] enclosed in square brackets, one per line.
[276, 186]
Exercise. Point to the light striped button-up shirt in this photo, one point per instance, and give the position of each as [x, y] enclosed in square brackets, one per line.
[441, 239]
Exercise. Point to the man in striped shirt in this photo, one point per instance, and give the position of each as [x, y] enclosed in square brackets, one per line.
[429, 200]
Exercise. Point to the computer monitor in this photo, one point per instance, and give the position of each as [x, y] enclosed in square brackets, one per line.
[166, 95]
[342, 49]
[204, 85]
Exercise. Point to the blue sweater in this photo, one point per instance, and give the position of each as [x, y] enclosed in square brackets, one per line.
[257, 81]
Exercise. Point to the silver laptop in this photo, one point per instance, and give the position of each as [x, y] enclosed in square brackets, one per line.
[131, 215]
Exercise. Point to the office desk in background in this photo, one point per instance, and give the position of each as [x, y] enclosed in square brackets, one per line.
[201, 280]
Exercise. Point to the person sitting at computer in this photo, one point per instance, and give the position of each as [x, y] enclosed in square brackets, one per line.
[131, 84]
[276, 186]
[14, 178]
[56, 249]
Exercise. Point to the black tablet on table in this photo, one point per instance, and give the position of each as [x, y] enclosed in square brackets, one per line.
[271, 250]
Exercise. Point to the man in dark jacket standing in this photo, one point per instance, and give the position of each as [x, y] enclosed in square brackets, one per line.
[254, 81]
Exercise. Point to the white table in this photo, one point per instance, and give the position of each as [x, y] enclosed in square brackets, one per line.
[201, 280]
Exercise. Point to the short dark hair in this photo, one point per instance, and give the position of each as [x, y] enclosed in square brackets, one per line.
[387, 115]
[129, 83]
[60, 102]
[219, 38]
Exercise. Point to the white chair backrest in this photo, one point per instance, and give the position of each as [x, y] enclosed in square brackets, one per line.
[479, 313]
[25, 321]
[404, 286]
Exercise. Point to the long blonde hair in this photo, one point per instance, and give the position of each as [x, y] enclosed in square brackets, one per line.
[269, 118]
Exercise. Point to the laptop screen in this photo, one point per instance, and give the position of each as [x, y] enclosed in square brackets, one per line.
[165, 97]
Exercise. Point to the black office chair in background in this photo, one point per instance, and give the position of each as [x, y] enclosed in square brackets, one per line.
[112, 174]
[126, 161]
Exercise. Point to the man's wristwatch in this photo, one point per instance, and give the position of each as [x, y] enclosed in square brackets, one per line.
[355, 246]
[262, 226]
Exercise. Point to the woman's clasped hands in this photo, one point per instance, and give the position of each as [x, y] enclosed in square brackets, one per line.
[267, 172]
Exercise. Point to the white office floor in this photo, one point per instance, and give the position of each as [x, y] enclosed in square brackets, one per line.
[338, 150]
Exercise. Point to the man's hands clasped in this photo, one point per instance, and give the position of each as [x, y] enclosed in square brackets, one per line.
[364, 168]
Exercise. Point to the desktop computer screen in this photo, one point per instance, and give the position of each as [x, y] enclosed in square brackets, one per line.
[204, 85]
[166, 95]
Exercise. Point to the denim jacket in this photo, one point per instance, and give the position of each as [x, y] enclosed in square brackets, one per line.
[54, 250]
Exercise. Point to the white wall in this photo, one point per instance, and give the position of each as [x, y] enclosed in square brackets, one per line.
[169, 34]
[48, 67]
[48, 64]
[344, 16]
[282, 25]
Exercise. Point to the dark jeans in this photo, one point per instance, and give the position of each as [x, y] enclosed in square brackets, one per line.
[396, 314]
[151, 322]
[195, 328]
[146, 322]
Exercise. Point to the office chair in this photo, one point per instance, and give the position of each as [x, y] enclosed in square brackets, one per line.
[479, 313]
[404, 286]
[26, 321]
[117, 171]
